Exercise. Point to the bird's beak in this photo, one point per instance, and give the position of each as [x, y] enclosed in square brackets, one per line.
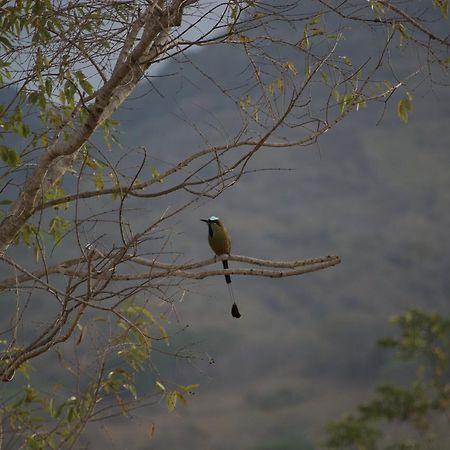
[204, 220]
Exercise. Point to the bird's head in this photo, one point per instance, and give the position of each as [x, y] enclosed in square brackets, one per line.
[211, 220]
[214, 224]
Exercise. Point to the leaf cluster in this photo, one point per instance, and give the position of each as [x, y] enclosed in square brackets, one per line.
[424, 341]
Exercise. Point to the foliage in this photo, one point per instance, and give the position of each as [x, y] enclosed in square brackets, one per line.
[424, 342]
[55, 419]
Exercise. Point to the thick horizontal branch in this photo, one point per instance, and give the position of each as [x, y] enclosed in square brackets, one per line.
[306, 266]
[239, 258]
[159, 269]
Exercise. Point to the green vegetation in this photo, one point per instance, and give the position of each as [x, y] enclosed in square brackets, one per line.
[421, 406]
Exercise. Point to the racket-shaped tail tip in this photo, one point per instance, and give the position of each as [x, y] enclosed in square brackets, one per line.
[235, 311]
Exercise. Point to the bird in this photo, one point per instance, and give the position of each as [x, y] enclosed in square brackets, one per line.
[220, 243]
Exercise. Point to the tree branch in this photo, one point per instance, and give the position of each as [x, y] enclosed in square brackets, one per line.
[125, 76]
[164, 270]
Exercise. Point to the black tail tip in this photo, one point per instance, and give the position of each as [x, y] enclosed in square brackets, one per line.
[235, 311]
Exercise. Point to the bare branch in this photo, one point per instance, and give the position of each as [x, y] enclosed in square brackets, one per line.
[183, 271]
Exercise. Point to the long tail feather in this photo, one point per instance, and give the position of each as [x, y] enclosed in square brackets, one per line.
[234, 309]
[225, 266]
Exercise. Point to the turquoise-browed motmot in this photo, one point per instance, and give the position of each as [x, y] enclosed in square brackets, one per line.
[219, 241]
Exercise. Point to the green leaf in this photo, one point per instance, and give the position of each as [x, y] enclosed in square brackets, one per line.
[84, 83]
[35, 442]
[37, 252]
[26, 233]
[245, 102]
[304, 42]
[33, 97]
[189, 387]
[163, 333]
[336, 95]
[30, 394]
[404, 107]
[59, 410]
[443, 6]
[69, 92]
[25, 369]
[48, 86]
[91, 162]
[54, 193]
[171, 400]
[346, 102]
[280, 84]
[404, 36]
[315, 19]
[347, 60]
[377, 7]
[131, 388]
[5, 42]
[51, 407]
[307, 70]
[181, 397]
[97, 178]
[23, 129]
[290, 66]
[244, 39]
[39, 61]
[57, 226]
[156, 175]
[10, 156]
